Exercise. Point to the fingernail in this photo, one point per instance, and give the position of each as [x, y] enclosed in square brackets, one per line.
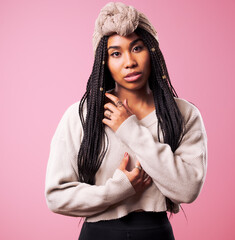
[125, 155]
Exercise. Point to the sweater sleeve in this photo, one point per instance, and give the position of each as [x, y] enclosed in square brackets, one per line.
[64, 193]
[179, 175]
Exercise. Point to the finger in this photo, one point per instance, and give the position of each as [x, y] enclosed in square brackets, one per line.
[148, 182]
[110, 107]
[124, 162]
[107, 122]
[111, 97]
[141, 171]
[137, 167]
[108, 114]
[145, 175]
[119, 104]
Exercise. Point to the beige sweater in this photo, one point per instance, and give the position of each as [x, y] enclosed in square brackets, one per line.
[179, 176]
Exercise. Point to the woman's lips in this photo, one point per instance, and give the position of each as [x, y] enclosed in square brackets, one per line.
[133, 78]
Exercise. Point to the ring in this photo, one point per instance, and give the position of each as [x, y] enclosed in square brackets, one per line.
[108, 114]
[140, 168]
[119, 103]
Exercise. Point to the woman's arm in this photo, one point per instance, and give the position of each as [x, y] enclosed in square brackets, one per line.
[64, 194]
[179, 175]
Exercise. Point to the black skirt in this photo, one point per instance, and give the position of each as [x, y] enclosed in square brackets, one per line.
[134, 226]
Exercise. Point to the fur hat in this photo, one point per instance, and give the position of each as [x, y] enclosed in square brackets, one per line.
[116, 17]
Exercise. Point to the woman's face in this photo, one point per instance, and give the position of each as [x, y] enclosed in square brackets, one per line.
[128, 61]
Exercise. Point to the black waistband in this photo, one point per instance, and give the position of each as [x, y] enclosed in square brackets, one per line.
[135, 219]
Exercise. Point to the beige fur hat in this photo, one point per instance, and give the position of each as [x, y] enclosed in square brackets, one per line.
[116, 17]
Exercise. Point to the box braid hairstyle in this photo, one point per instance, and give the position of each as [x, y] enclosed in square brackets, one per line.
[170, 119]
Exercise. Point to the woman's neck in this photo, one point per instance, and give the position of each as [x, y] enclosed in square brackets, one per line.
[140, 101]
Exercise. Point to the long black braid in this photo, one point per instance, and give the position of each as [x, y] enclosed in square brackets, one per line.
[92, 149]
[170, 120]
[169, 116]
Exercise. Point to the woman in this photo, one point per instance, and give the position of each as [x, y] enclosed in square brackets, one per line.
[135, 150]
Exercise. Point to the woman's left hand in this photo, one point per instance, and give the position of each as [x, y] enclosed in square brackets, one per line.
[115, 114]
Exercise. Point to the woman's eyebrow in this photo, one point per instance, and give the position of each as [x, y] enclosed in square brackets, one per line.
[115, 47]
[135, 41]
[131, 44]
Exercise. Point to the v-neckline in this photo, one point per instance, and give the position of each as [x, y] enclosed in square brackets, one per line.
[147, 115]
[148, 119]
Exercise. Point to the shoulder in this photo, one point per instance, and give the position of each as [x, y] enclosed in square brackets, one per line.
[71, 113]
[187, 108]
[70, 122]
[190, 113]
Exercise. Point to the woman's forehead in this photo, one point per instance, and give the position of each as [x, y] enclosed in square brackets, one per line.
[118, 40]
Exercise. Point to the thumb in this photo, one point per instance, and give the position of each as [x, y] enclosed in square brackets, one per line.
[124, 162]
[125, 103]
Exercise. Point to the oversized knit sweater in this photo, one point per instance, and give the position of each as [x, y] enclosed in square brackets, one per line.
[178, 176]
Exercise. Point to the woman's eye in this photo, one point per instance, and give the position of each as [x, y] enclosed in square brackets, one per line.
[115, 54]
[137, 48]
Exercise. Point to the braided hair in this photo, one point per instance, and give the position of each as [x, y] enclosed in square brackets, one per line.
[93, 147]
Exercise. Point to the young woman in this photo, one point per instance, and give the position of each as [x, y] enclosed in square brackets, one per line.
[130, 150]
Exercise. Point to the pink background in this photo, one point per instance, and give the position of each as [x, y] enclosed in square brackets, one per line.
[45, 60]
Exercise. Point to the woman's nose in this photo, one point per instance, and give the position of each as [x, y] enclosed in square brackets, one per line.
[129, 61]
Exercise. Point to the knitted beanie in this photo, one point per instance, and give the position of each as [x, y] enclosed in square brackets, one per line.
[116, 17]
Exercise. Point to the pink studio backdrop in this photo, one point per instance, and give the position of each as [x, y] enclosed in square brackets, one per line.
[45, 60]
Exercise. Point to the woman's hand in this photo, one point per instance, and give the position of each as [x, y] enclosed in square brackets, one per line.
[138, 177]
[115, 114]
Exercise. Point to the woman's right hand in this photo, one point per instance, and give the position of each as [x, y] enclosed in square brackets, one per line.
[138, 178]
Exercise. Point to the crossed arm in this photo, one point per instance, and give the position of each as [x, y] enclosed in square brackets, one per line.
[179, 176]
